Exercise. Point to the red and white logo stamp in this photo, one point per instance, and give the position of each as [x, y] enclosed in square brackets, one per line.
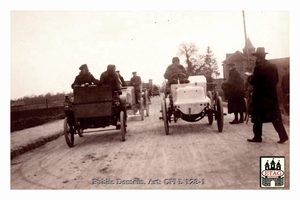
[272, 171]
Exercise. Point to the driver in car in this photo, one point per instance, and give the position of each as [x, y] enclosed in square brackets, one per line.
[175, 68]
[84, 77]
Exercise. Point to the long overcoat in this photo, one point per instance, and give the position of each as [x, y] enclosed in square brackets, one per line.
[265, 107]
[235, 92]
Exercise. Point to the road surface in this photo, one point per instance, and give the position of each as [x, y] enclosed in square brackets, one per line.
[192, 156]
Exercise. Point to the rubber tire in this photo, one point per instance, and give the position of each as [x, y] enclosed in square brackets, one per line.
[210, 115]
[69, 135]
[220, 116]
[142, 109]
[147, 103]
[123, 125]
[80, 132]
[164, 115]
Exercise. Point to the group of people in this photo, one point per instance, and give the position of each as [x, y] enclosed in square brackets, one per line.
[264, 101]
[110, 77]
[263, 81]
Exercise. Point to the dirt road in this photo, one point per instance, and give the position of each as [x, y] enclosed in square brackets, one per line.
[193, 156]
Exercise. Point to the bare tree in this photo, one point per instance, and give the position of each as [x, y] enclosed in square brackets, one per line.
[188, 50]
[198, 64]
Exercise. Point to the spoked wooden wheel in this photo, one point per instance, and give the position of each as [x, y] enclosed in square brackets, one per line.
[210, 115]
[142, 108]
[69, 132]
[215, 102]
[123, 125]
[79, 130]
[164, 115]
[219, 113]
[147, 102]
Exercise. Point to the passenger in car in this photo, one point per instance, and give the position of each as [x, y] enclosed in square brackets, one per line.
[110, 77]
[84, 78]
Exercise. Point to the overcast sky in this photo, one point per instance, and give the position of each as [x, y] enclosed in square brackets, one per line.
[48, 47]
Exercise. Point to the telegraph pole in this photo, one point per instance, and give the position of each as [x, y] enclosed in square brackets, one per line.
[248, 68]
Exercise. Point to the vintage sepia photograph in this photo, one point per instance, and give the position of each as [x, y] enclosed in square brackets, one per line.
[117, 98]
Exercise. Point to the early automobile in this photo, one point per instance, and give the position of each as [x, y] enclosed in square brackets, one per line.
[93, 107]
[191, 102]
[132, 106]
[155, 91]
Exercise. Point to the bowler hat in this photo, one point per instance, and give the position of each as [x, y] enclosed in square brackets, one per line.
[84, 66]
[259, 51]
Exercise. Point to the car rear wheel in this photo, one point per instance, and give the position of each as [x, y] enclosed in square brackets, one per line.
[123, 125]
[164, 116]
[220, 116]
[69, 132]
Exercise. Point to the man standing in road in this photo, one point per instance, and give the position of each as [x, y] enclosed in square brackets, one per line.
[136, 81]
[264, 100]
[235, 93]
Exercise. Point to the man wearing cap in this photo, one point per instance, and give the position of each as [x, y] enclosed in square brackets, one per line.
[84, 77]
[110, 77]
[265, 107]
[136, 81]
[235, 93]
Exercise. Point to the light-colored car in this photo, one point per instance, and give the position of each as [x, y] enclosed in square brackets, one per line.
[191, 102]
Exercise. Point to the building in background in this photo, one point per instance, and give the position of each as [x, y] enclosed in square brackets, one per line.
[245, 62]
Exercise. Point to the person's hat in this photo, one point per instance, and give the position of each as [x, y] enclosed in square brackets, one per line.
[231, 65]
[133, 72]
[84, 66]
[259, 51]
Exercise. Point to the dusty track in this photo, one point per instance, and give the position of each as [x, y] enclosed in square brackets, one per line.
[193, 151]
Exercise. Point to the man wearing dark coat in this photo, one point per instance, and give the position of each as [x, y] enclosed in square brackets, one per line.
[110, 77]
[136, 82]
[235, 92]
[265, 106]
[175, 68]
[84, 77]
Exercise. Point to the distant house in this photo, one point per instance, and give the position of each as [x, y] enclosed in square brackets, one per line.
[246, 63]
[241, 60]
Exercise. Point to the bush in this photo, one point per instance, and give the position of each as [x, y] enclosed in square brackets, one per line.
[31, 118]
